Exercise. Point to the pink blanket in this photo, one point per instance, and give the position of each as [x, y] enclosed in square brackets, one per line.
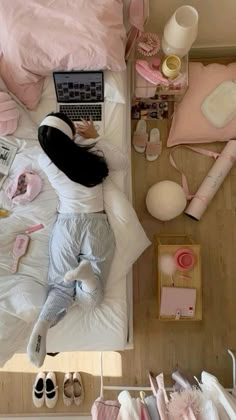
[39, 36]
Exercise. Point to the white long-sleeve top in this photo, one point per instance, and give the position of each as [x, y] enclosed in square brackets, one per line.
[74, 197]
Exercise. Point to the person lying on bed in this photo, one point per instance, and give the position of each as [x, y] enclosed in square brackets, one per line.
[82, 243]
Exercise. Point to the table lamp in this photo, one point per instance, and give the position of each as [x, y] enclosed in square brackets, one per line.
[180, 31]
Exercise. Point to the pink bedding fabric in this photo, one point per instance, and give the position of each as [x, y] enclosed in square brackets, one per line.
[9, 114]
[138, 17]
[39, 36]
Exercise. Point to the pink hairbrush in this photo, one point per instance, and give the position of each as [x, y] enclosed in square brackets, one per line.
[19, 249]
[149, 74]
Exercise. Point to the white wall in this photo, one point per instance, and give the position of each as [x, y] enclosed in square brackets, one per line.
[217, 20]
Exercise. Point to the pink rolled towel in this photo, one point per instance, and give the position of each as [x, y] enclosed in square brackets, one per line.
[9, 114]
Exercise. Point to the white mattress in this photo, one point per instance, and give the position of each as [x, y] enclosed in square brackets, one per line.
[106, 328]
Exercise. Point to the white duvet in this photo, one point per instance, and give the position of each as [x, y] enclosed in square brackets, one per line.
[23, 294]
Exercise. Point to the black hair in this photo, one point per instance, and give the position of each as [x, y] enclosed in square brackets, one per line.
[78, 162]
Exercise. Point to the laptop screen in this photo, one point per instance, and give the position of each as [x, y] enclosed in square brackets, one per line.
[79, 86]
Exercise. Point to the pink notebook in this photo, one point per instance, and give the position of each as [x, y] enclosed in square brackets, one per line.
[178, 302]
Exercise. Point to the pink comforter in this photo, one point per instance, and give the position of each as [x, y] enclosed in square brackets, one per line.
[39, 36]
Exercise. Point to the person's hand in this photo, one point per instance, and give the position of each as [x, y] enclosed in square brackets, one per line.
[86, 129]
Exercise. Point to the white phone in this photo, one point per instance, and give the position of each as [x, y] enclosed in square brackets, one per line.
[219, 107]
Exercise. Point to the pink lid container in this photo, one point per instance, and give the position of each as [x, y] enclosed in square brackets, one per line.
[184, 259]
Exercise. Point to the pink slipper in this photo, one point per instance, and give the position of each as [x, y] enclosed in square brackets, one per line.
[154, 145]
[140, 137]
[152, 76]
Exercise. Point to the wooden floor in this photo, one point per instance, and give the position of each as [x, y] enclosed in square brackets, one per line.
[159, 346]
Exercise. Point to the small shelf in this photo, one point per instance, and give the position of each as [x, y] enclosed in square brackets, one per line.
[142, 89]
[169, 244]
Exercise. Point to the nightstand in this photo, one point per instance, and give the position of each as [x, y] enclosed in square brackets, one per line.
[151, 101]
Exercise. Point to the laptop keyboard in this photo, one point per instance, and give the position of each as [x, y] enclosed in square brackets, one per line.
[78, 112]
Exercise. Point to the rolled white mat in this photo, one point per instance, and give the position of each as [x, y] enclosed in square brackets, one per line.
[212, 182]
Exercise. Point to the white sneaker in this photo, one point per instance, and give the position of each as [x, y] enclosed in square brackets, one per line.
[68, 392]
[51, 390]
[39, 390]
[78, 388]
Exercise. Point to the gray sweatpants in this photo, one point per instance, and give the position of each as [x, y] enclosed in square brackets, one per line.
[77, 237]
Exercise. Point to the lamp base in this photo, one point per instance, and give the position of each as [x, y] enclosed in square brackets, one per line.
[170, 50]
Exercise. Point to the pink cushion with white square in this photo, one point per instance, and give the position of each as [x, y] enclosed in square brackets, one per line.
[189, 124]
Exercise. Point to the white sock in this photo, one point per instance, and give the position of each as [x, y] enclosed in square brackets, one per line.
[83, 273]
[36, 348]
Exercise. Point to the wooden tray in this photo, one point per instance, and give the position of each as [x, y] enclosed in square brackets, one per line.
[169, 244]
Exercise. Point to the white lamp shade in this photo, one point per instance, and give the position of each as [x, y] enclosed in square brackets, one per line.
[180, 31]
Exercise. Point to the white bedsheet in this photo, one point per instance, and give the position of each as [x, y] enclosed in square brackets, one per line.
[106, 328]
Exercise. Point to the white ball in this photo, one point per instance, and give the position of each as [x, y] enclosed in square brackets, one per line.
[166, 200]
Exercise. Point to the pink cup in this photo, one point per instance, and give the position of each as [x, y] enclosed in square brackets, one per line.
[184, 259]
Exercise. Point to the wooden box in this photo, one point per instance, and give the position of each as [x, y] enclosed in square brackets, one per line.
[169, 244]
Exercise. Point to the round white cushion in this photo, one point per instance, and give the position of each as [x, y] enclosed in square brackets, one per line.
[166, 200]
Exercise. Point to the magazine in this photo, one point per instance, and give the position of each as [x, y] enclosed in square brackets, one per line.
[8, 152]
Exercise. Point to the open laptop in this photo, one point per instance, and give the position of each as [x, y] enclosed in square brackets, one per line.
[80, 94]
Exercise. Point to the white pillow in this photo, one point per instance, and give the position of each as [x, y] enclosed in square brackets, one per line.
[115, 86]
[131, 239]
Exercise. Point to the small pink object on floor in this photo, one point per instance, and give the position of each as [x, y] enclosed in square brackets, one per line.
[19, 249]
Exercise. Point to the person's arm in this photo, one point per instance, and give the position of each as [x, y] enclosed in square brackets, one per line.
[116, 160]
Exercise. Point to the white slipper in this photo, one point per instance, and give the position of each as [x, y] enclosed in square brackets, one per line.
[154, 145]
[78, 388]
[68, 393]
[51, 393]
[38, 392]
[140, 137]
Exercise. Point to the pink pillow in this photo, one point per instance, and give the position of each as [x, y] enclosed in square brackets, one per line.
[46, 36]
[189, 124]
[9, 114]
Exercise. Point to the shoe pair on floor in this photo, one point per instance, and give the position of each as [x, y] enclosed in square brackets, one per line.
[152, 146]
[73, 390]
[45, 389]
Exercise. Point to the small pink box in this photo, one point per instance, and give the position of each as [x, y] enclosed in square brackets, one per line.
[178, 302]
